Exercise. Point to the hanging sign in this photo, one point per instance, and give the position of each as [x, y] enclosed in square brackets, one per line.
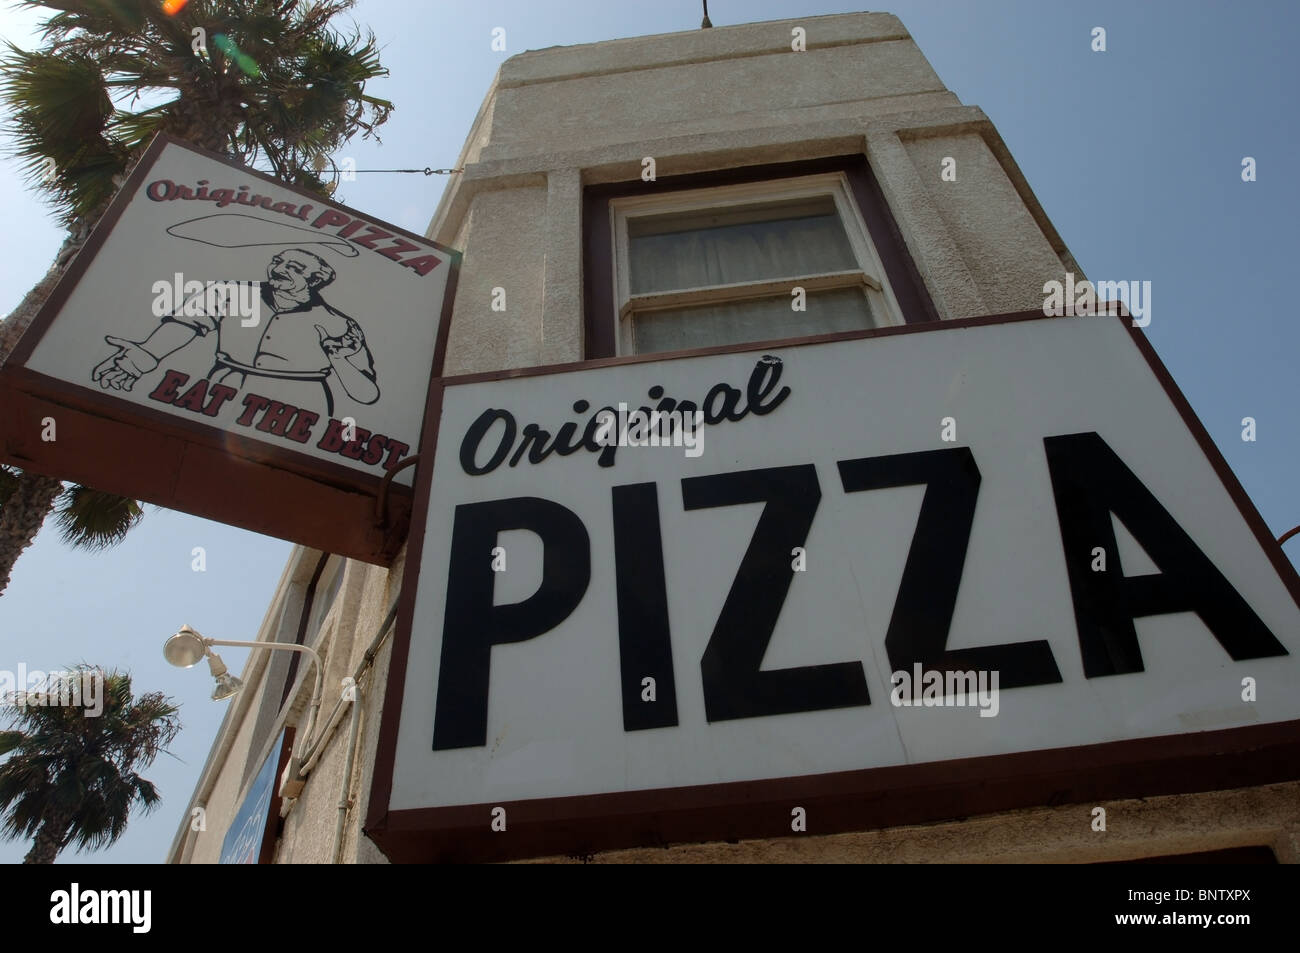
[236, 348]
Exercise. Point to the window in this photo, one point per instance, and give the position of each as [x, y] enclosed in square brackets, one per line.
[703, 267]
[327, 590]
[319, 584]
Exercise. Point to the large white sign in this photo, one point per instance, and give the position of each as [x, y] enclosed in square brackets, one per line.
[901, 549]
[231, 302]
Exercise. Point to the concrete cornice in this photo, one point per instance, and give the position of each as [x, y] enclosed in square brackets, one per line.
[609, 151]
[558, 63]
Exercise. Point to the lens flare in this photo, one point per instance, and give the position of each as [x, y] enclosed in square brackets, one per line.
[241, 59]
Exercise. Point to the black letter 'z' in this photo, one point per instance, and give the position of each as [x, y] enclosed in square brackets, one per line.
[927, 593]
[734, 686]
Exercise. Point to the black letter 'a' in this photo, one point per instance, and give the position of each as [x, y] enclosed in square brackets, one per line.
[927, 593]
[1090, 482]
[734, 687]
[473, 624]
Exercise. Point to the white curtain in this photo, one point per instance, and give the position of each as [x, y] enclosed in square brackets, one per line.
[841, 309]
[667, 254]
[759, 242]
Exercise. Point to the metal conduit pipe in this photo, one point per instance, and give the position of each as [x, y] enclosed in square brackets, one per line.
[312, 754]
[345, 799]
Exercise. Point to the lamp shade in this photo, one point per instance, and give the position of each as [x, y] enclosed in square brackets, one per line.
[185, 648]
[227, 685]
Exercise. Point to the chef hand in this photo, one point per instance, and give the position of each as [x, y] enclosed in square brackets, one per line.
[345, 345]
[123, 369]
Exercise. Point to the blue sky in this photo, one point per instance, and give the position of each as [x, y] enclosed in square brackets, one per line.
[1135, 154]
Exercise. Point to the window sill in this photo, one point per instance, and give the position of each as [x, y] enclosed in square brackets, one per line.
[746, 290]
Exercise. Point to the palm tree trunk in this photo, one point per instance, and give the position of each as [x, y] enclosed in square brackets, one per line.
[25, 511]
[49, 840]
[22, 516]
[25, 313]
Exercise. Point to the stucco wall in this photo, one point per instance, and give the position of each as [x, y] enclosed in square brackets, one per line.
[992, 229]
[505, 248]
[1267, 816]
[309, 827]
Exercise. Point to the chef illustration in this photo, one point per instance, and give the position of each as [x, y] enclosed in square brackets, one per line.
[296, 337]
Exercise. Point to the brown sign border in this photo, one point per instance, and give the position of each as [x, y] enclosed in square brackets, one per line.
[187, 465]
[836, 802]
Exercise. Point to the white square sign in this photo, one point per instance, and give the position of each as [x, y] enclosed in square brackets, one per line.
[895, 549]
[230, 302]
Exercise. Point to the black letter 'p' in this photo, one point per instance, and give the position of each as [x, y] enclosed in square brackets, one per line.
[473, 624]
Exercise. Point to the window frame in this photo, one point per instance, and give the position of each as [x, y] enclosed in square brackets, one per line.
[869, 275]
[328, 587]
[601, 307]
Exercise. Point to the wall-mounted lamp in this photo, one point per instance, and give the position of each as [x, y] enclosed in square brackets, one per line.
[187, 648]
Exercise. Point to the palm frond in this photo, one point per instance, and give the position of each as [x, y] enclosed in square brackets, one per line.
[94, 520]
[112, 73]
[77, 772]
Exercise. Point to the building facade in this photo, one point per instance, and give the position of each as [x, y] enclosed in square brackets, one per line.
[590, 174]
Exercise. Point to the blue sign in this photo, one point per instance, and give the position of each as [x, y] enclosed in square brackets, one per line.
[243, 841]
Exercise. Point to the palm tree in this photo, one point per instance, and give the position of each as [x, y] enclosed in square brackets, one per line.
[87, 518]
[71, 774]
[266, 81]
